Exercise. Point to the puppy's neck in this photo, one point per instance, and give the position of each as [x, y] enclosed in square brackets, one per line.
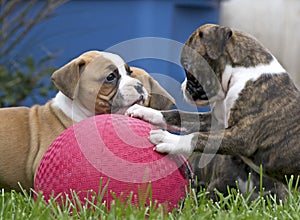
[234, 80]
[233, 75]
[71, 108]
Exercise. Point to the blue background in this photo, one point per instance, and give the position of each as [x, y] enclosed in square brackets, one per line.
[82, 25]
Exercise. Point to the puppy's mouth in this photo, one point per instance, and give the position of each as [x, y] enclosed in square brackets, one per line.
[115, 109]
[193, 89]
[195, 92]
[139, 101]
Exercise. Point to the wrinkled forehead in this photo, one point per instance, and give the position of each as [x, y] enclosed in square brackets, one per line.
[207, 26]
[105, 62]
[116, 60]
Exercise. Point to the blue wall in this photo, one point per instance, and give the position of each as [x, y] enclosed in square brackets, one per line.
[82, 25]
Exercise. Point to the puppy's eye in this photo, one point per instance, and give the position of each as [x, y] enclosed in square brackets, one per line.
[111, 77]
[128, 70]
[201, 34]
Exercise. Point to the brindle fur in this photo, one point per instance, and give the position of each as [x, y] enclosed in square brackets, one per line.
[263, 127]
[187, 120]
[264, 121]
[225, 171]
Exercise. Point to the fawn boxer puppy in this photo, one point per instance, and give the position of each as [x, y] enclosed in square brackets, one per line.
[255, 111]
[91, 84]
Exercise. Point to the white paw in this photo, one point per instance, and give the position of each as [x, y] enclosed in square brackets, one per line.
[147, 114]
[135, 111]
[170, 143]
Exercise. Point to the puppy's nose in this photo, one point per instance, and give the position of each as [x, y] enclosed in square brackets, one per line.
[139, 88]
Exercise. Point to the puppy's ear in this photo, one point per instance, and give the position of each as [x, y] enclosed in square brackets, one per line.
[242, 45]
[214, 40]
[158, 98]
[66, 78]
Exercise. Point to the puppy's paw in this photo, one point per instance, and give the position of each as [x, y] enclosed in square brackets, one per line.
[161, 136]
[165, 148]
[135, 111]
[147, 114]
[170, 143]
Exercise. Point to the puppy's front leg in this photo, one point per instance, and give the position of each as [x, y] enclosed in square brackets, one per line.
[173, 120]
[222, 142]
[170, 143]
[150, 115]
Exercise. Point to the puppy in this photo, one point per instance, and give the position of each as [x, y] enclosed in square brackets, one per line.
[225, 172]
[255, 110]
[91, 84]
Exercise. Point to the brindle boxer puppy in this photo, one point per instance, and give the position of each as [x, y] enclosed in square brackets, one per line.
[255, 104]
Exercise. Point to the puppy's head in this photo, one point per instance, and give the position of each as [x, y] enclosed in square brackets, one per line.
[158, 97]
[100, 82]
[207, 52]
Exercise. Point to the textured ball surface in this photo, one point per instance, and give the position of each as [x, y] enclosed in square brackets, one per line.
[115, 149]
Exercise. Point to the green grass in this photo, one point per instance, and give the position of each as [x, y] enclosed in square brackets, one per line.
[15, 205]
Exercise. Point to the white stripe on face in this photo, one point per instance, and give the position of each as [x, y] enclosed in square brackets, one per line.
[127, 93]
[117, 60]
[120, 63]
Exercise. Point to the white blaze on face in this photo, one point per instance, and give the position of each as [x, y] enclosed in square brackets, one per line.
[120, 63]
[127, 92]
[117, 60]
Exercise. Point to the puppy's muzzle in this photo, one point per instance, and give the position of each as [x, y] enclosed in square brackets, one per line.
[194, 89]
[139, 88]
[141, 99]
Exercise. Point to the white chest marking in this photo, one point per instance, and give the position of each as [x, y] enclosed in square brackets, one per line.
[235, 78]
[71, 108]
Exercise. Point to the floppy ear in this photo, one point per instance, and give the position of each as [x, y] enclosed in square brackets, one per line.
[66, 78]
[159, 98]
[238, 48]
[214, 40]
